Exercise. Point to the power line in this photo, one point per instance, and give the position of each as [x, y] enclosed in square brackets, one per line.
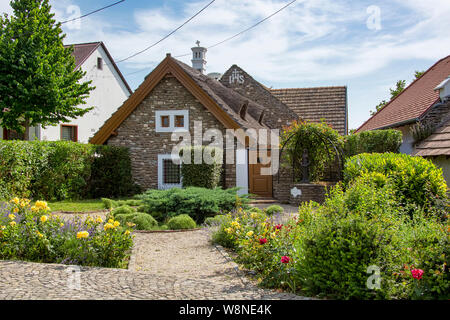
[243, 31]
[95, 11]
[168, 35]
[229, 38]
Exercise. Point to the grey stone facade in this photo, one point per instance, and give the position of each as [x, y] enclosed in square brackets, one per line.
[138, 133]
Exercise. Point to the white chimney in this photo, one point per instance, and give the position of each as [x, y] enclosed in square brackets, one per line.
[198, 57]
[444, 89]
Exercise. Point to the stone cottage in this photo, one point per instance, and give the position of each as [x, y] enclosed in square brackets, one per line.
[179, 99]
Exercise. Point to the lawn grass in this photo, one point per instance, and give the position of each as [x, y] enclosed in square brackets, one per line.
[77, 205]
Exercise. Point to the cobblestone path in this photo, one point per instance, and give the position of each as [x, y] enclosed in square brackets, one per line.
[163, 266]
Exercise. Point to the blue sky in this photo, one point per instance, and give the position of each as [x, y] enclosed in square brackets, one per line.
[311, 43]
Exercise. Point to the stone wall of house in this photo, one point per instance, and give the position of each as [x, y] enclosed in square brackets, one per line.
[138, 132]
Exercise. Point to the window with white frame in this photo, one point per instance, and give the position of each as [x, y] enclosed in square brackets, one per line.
[169, 172]
[172, 120]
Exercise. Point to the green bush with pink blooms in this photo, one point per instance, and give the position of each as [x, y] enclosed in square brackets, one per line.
[30, 233]
[359, 245]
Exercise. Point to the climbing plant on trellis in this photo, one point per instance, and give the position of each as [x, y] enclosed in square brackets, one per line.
[318, 142]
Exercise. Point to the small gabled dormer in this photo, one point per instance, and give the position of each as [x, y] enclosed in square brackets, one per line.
[444, 90]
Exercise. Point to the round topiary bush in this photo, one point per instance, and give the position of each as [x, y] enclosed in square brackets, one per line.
[181, 222]
[123, 210]
[275, 209]
[142, 221]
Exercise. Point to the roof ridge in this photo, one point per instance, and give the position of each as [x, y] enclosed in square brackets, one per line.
[402, 93]
[305, 88]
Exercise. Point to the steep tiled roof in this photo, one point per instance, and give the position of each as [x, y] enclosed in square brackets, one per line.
[315, 104]
[276, 113]
[437, 144]
[83, 51]
[229, 100]
[413, 102]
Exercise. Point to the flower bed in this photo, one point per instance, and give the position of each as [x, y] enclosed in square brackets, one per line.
[29, 232]
[358, 245]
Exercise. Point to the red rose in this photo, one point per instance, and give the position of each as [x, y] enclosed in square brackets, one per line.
[262, 241]
[417, 273]
[285, 259]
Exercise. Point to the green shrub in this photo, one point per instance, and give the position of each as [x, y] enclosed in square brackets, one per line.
[275, 209]
[142, 221]
[198, 203]
[63, 170]
[111, 173]
[376, 141]
[319, 139]
[109, 204]
[180, 222]
[255, 209]
[336, 252]
[206, 173]
[417, 181]
[143, 208]
[123, 210]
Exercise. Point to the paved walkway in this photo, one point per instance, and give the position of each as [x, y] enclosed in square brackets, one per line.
[163, 266]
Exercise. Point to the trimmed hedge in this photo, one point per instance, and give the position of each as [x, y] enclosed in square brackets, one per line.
[63, 170]
[417, 181]
[203, 175]
[377, 141]
[181, 222]
[198, 203]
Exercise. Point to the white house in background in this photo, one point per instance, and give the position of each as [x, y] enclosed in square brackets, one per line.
[110, 93]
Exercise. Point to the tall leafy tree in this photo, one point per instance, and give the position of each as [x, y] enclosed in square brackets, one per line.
[399, 87]
[38, 80]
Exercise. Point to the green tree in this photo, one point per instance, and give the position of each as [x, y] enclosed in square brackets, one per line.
[38, 80]
[418, 74]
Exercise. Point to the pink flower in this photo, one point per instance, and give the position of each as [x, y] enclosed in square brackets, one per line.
[285, 259]
[6, 110]
[262, 241]
[279, 227]
[417, 273]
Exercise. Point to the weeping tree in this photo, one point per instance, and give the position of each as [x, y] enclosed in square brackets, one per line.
[313, 145]
[38, 80]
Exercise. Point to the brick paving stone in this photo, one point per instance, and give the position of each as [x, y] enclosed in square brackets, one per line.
[193, 269]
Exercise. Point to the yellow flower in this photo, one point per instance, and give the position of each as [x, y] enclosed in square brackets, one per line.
[12, 223]
[62, 225]
[254, 215]
[2, 227]
[116, 224]
[229, 230]
[23, 204]
[44, 219]
[130, 224]
[127, 233]
[108, 226]
[34, 209]
[111, 221]
[99, 220]
[39, 234]
[82, 235]
[41, 204]
[16, 210]
[12, 217]
[15, 200]
[250, 233]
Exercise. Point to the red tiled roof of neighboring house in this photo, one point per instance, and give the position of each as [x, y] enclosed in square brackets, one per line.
[438, 144]
[83, 51]
[316, 104]
[413, 102]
